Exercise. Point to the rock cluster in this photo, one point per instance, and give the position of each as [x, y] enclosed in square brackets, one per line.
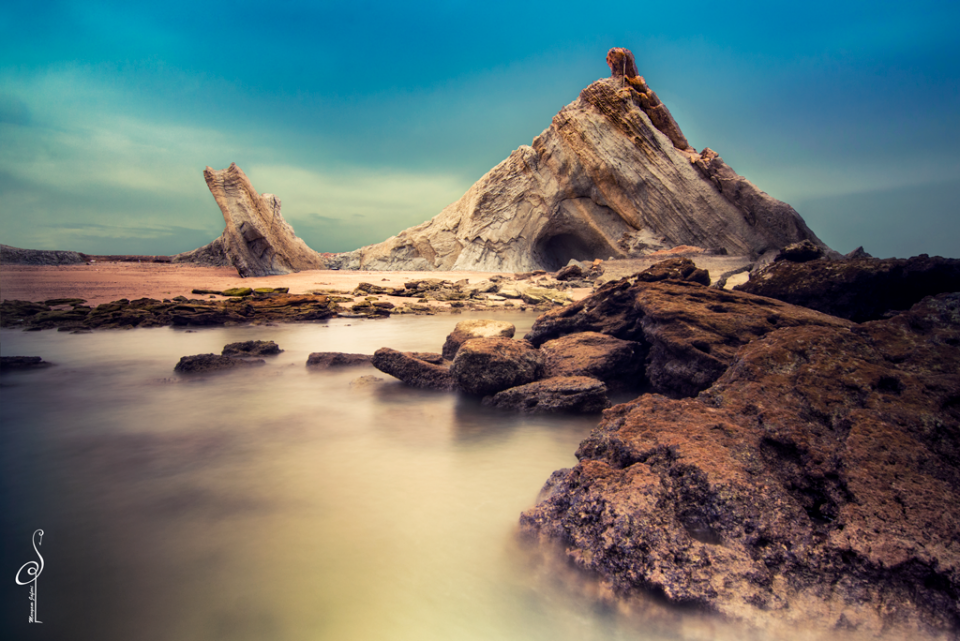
[815, 480]
[860, 289]
[612, 175]
[256, 240]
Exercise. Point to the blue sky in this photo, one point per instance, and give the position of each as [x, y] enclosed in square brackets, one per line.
[367, 118]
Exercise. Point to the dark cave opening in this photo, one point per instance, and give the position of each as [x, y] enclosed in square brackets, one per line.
[556, 251]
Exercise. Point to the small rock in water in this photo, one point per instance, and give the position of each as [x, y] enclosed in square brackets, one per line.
[251, 348]
[13, 363]
[205, 363]
[323, 360]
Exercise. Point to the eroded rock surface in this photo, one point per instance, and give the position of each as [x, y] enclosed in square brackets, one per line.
[324, 360]
[417, 369]
[559, 394]
[816, 481]
[465, 330]
[206, 363]
[688, 332]
[612, 175]
[256, 239]
[616, 362]
[486, 366]
[251, 348]
[859, 288]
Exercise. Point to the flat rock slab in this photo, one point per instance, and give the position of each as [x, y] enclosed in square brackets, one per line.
[206, 363]
[16, 363]
[323, 360]
[560, 394]
[251, 348]
[690, 332]
[816, 481]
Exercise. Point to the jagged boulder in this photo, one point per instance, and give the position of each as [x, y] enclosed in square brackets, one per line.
[485, 366]
[690, 332]
[611, 176]
[815, 482]
[677, 269]
[560, 394]
[256, 239]
[858, 288]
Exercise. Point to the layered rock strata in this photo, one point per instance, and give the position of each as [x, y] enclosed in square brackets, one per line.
[815, 481]
[611, 176]
[257, 241]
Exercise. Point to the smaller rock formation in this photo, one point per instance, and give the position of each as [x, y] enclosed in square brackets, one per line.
[486, 366]
[465, 330]
[800, 252]
[676, 269]
[16, 256]
[560, 394]
[417, 369]
[859, 289]
[17, 363]
[251, 348]
[325, 360]
[616, 362]
[207, 363]
[256, 240]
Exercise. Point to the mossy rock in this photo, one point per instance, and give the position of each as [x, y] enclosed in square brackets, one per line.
[238, 291]
[271, 290]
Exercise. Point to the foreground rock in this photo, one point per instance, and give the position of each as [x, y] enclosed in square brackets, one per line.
[206, 363]
[688, 333]
[417, 369]
[486, 366]
[816, 481]
[560, 394]
[860, 289]
[465, 330]
[251, 348]
[257, 241]
[614, 176]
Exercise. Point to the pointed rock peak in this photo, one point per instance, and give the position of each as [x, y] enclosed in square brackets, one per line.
[622, 63]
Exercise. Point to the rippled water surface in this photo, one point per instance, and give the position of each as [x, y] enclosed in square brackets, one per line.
[276, 502]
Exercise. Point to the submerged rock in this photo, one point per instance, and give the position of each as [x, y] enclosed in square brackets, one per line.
[324, 360]
[15, 363]
[206, 363]
[573, 394]
[860, 289]
[815, 481]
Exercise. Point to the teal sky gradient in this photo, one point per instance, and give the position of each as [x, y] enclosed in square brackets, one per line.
[366, 118]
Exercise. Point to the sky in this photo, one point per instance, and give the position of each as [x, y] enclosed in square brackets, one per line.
[366, 118]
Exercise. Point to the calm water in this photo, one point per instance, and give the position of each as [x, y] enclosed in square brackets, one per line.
[277, 502]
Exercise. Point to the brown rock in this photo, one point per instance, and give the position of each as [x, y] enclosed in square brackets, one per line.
[256, 240]
[816, 481]
[622, 63]
[800, 252]
[486, 366]
[324, 360]
[616, 362]
[206, 363]
[859, 289]
[251, 348]
[414, 368]
[690, 332]
[465, 330]
[572, 394]
[570, 272]
[676, 269]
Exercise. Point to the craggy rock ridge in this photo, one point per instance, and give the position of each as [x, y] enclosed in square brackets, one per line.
[611, 176]
[816, 481]
[16, 256]
[860, 289]
[256, 240]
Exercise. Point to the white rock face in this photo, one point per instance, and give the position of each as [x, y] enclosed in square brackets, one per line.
[256, 239]
[602, 181]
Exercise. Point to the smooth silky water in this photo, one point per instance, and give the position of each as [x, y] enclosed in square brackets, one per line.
[278, 502]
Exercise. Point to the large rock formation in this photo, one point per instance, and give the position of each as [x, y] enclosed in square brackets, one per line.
[256, 239]
[815, 483]
[611, 176]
